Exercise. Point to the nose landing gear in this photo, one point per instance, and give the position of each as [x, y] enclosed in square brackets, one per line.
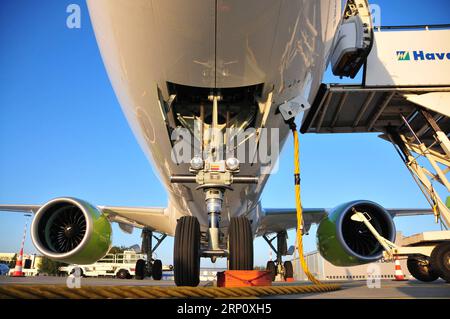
[186, 252]
[213, 175]
[240, 244]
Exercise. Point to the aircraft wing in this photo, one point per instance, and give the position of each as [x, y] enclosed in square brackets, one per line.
[276, 220]
[153, 218]
[400, 212]
[156, 219]
[20, 208]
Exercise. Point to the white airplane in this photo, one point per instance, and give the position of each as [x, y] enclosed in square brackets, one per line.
[202, 65]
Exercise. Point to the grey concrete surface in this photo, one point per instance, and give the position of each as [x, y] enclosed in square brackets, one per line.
[51, 280]
[388, 290]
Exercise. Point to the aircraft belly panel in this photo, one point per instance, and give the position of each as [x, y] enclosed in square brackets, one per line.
[245, 36]
[144, 44]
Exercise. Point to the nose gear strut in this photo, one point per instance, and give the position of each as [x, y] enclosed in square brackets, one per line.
[214, 176]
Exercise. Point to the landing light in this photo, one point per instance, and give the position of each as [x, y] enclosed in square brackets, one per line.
[232, 163]
[197, 163]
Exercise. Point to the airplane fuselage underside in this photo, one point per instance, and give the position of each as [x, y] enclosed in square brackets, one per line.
[155, 49]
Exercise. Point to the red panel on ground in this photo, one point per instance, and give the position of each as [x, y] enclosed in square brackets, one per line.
[243, 278]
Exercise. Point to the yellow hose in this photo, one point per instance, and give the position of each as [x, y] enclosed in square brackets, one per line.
[298, 202]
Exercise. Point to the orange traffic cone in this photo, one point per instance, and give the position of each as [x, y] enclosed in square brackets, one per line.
[18, 270]
[399, 275]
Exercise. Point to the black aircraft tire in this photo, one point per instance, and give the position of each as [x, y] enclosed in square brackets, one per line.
[240, 240]
[288, 270]
[139, 272]
[187, 252]
[272, 268]
[157, 270]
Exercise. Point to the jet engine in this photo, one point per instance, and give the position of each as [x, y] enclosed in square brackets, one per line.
[72, 231]
[345, 242]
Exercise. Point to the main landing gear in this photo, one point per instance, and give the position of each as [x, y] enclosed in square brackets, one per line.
[150, 267]
[278, 269]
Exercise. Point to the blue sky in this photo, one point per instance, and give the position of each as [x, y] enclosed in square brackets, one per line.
[62, 132]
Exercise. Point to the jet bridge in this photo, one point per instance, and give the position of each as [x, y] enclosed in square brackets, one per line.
[405, 96]
[417, 131]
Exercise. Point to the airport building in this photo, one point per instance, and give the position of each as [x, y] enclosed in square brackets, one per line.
[324, 270]
[6, 258]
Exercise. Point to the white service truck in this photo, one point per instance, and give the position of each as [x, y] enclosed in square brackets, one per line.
[122, 265]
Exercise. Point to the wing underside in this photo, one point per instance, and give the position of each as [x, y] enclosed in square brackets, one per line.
[277, 220]
[153, 218]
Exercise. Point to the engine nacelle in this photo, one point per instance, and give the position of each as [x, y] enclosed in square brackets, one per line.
[345, 242]
[71, 230]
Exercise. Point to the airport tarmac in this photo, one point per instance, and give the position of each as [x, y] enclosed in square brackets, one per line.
[389, 289]
[351, 289]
